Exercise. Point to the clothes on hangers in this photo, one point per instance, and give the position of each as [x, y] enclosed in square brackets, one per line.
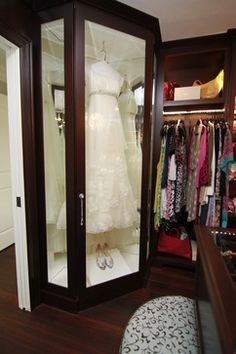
[214, 198]
[171, 174]
[197, 180]
[191, 204]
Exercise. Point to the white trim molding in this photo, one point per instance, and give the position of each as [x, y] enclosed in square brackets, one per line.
[17, 172]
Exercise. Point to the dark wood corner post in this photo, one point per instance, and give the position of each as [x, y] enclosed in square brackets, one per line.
[232, 76]
[156, 134]
[29, 127]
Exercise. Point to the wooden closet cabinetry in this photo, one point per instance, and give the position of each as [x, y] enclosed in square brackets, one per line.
[232, 182]
[189, 60]
[181, 63]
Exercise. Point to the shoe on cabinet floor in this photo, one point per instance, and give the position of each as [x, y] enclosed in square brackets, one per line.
[107, 253]
[100, 258]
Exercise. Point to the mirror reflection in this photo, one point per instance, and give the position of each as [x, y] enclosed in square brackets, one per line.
[115, 67]
[54, 125]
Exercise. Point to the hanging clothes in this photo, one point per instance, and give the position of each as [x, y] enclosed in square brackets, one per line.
[192, 194]
[170, 194]
[158, 191]
[226, 160]
[197, 180]
[181, 168]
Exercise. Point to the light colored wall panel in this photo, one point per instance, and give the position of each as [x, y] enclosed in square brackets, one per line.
[4, 135]
[6, 239]
[5, 178]
[6, 214]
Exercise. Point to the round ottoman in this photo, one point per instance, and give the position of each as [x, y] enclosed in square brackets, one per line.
[163, 325]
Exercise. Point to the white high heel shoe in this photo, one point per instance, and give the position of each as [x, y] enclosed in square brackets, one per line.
[108, 258]
[100, 258]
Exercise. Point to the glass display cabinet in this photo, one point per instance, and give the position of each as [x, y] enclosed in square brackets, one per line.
[97, 79]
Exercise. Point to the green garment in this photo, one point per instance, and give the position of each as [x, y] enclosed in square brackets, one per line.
[157, 202]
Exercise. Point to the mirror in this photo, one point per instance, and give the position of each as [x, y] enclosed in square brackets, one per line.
[115, 82]
[54, 125]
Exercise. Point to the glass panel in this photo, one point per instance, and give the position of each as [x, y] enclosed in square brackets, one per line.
[52, 39]
[115, 67]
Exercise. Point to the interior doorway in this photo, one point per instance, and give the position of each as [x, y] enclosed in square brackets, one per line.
[12, 196]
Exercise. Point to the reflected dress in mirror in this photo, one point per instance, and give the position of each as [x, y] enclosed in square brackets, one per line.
[128, 110]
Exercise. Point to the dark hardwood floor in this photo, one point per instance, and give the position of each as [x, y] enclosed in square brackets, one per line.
[96, 330]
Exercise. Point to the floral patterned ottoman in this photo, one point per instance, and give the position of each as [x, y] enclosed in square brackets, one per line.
[163, 325]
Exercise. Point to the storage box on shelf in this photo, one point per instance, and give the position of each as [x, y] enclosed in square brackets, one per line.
[187, 93]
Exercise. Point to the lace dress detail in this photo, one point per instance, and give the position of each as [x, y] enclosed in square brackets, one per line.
[110, 202]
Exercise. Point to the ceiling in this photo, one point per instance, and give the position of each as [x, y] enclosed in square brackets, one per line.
[189, 18]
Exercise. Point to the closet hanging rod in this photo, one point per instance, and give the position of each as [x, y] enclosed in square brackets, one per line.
[194, 112]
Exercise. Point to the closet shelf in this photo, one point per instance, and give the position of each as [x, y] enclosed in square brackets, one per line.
[164, 258]
[188, 105]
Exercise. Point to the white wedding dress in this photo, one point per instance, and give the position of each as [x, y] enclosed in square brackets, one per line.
[110, 203]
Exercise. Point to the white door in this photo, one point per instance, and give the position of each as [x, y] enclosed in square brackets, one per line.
[12, 205]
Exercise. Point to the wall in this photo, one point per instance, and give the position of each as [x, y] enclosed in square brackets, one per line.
[3, 80]
[6, 217]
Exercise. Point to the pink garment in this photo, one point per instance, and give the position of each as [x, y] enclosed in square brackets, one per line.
[202, 154]
[203, 178]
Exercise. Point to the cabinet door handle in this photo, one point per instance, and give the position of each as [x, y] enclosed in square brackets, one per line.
[81, 197]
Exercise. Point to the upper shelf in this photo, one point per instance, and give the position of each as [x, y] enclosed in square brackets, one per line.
[189, 105]
[184, 68]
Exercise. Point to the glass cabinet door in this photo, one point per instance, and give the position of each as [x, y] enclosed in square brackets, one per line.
[114, 100]
[93, 162]
[54, 125]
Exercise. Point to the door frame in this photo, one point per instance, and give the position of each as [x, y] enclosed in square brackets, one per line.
[17, 170]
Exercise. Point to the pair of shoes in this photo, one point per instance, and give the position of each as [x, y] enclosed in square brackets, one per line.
[103, 256]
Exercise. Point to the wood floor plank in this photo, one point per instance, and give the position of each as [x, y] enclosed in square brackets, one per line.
[97, 330]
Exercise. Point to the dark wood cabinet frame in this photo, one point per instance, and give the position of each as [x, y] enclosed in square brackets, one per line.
[172, 54]
[24, 31]
[215, 297]
[77, 296]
